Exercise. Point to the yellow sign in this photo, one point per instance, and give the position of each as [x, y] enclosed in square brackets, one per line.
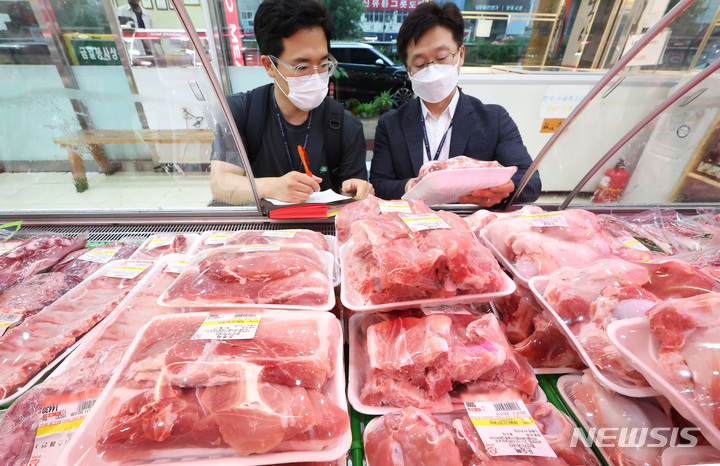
[550, 125]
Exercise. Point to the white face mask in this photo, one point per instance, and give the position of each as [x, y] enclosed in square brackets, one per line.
[308, 92]
[435, 82]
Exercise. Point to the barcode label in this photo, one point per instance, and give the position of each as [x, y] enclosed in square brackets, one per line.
[279, 233]
[159, 241]
[100, 255]
[86, 405]
[229, 326]
[177, 266]
[507, 428]
[554, 219]
[218, 237]
[8, 317]
[420, 222]
[394, 206]
[128, 269]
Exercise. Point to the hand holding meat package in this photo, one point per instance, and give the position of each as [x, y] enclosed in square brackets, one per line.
[394, 251]
[455, 163]
[587, 299]
[289, 275]
[415, 437]
[431, 361]
[536, 242]
[176, 396]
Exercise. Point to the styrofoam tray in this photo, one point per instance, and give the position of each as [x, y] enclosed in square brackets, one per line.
[67, 351]
[504, 261]
[690, 456]
[353, 300]
[358, 369]
[81, 450]
[537, 286]
[538, 370]
[637, 343]
[328, 265]
[193, 244]
[446, 186]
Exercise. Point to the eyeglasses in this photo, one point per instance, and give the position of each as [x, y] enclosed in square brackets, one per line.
[446, 60]
[302, 70]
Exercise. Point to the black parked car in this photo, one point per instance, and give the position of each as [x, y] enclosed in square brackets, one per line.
[369, 73]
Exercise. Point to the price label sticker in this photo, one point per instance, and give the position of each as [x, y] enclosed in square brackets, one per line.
[280, 233]
[60, 417]
[218, 237]
[9, 317]
[229, 326]
[632, 242]
[158, 241]
[507, 429]
[100, 254]
[128, 269]
[443, 309]
[420, 222]
[551, 219]
[395, 206]
[260, 247]
[8, 246]
[177, 266]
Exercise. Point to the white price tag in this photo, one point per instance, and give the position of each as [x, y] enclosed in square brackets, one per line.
[419, 222]
[395, 206]
[443, 309]
[61, 416]
[177, 266]
[219, 237]
[507, 429]
[229, 326]
[260, 247]
[552, 219]
[100, 255]
[9, 317]
[632, 242]
[159, 241]
[128, 269]
[8, 246]
[280, 233]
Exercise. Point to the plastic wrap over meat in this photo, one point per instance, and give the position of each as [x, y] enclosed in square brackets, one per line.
[36, 292]
[455, 163]
[634, 236]
[415, 437]
[682, 233]
[534, 334]
[628, 418]
[480, 220]
[385, 261]
[276, 392]
[82, 263]
[575, 237]
[435, 361]
[33, 256]
[158, 246]
[250, 237]
[30, 346]
[689, 332]
[290, 275]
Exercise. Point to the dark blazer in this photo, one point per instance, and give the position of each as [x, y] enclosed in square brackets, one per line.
[480, 131]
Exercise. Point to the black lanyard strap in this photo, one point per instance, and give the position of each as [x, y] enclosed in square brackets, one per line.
[282, 131]
[442, 141]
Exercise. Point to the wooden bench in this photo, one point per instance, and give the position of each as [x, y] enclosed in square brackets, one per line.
[94, 139]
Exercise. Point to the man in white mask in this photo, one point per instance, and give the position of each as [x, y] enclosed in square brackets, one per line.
[443, 122]
[293, 37]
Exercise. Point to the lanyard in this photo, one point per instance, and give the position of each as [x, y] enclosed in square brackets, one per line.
[282, 131]
[442, 141]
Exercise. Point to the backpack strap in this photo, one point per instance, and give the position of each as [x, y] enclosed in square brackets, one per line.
[335, 115]
[256, 109]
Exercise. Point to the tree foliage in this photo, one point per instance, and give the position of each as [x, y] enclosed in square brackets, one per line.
[345, 15]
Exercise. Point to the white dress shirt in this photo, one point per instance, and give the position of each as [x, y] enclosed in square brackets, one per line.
[436, 128]
[126, 10]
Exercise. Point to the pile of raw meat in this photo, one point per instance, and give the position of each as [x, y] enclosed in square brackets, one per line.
[271, 393]
[291, 274]
[435, 361]
[386, 260]
[416, 437]
[460, 162]
[215, 239]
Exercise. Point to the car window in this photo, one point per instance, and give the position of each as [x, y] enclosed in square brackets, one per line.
[340, 54]
[363, 56]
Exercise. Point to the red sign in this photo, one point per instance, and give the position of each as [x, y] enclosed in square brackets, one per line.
[392, 5]
[233, 25]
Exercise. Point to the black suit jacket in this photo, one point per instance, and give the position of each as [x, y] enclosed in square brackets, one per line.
[480, 131]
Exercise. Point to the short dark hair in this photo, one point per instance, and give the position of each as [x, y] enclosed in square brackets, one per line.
[426, 16]
[276, 20]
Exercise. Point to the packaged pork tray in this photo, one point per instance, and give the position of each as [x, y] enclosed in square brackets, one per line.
[402, 254]
[275, 276]
[202, 389]
[433, 362]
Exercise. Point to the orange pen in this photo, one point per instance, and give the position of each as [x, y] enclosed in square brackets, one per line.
[306, 164]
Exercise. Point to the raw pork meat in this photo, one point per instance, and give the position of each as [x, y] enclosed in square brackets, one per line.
[434, 361]
[254, 396]
[539, 250]
[291, 275]
[158, 246]
[689, 330]
[480, 220]
[386, 261]
[415, 437]
[30, 346]
[84, 262]
[455, 163]
[34, 256]
[605, 409]
[36, 292]
[250, 237]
